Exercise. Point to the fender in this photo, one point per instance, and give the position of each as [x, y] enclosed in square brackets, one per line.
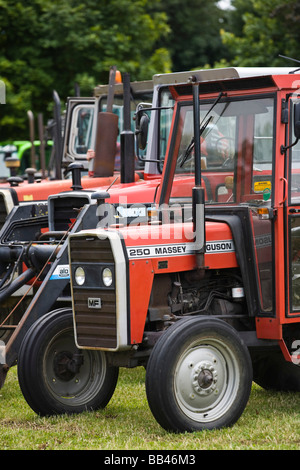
[170, 249]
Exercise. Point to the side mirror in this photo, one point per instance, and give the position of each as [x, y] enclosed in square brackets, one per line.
[296, 111]
[142, 120]
[297, 120]
[142, 131]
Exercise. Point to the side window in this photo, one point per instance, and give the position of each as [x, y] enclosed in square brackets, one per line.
[263, 139]
[294, 165]
[295, 263]
[263, 152]
[82, 133]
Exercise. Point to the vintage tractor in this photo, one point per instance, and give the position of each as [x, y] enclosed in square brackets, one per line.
[204, 290]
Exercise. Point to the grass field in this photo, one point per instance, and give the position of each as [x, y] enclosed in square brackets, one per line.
[271, 421]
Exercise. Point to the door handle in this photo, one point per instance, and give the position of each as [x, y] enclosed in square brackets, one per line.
[285, 190]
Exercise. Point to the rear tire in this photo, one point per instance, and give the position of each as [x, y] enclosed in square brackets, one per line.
[48, 383]
[199, 376]
[272, 372]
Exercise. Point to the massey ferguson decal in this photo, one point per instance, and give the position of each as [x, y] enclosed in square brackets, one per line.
[224, 246]
[178, 249]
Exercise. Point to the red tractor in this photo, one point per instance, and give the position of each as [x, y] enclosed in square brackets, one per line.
[204, 289]
[95, 122]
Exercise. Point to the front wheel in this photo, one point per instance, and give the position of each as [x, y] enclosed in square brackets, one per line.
[199, 376]
[55, 377]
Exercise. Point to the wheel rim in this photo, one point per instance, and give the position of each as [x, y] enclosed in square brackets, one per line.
[72, 388]
[206, 380]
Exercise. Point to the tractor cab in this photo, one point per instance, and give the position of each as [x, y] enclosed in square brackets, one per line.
[249, 167]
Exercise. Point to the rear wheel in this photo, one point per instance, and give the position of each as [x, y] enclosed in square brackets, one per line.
[272, 372]
[199, 376]
[55, 377]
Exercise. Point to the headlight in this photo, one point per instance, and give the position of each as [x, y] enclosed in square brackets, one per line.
[79, 276]
[107, 277]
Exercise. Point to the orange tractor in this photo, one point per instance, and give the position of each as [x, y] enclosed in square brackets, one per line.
[203, 290]
[94, 122]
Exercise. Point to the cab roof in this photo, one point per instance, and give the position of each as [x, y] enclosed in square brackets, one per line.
[228, 73]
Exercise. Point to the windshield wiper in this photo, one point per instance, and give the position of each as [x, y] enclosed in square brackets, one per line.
[192, 143]
[202, 129]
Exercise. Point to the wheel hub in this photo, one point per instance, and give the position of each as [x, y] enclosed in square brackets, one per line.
[201, 380]
[204, 378]
[67, 365]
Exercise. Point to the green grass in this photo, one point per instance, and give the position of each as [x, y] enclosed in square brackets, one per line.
[270, 421]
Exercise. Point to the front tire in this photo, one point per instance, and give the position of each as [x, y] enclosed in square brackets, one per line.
[47, 377]
[199, 376]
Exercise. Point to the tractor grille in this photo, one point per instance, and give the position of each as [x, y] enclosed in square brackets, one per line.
[94, 304]
[64, 210]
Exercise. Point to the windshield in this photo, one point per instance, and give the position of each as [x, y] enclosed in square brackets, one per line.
[236, 150]
[166, 114]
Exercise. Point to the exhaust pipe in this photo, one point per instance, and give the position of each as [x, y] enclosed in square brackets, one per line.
[127, 137]
[107, 133]
[198, 194]
[58, 144]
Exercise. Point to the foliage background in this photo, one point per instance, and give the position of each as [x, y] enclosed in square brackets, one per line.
[53, 44]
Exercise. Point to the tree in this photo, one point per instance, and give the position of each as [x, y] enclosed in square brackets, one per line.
[51, 44]
[194, 41]
[267, 29]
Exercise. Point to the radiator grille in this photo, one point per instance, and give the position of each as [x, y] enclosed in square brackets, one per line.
[95, 327]
[65, 210]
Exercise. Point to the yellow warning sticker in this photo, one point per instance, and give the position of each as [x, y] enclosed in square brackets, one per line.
[260, 186]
